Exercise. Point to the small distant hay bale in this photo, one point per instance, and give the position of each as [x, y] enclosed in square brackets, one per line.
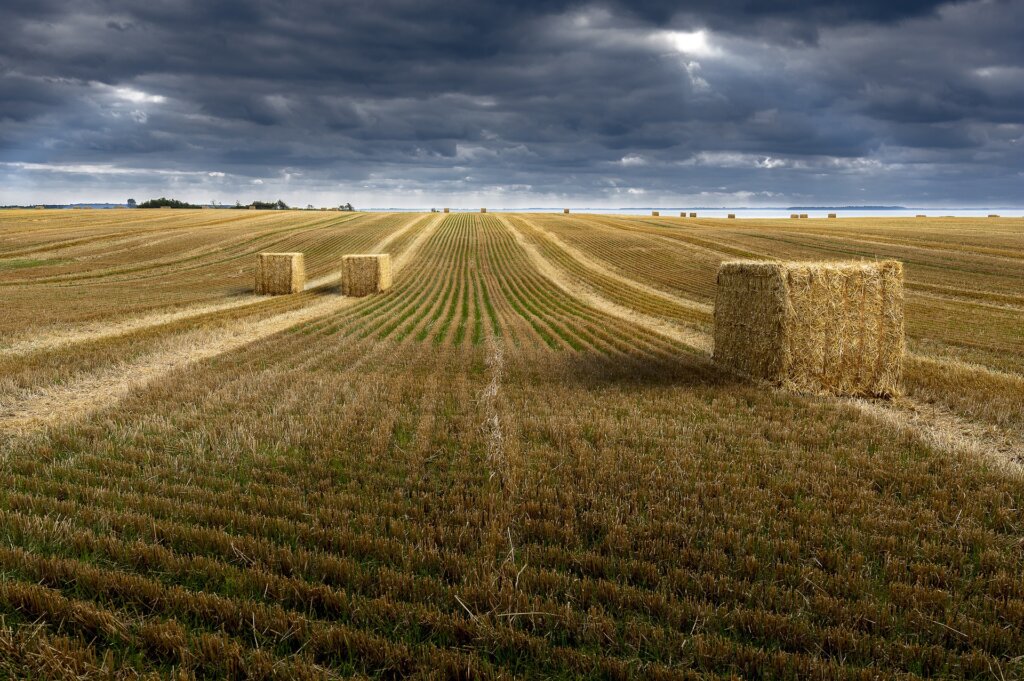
[693, 215]
[803, 215]
[366, 273]
[280, 273]
[682, 215]
[483, 210]
[832, 215]
[655, 214]
[447, 210]
[565, 211]
[993, 215]
[920, 216]
[794, 216]
[732, 216]
[819, 327]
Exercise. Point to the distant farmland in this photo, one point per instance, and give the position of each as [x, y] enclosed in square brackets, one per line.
[519, 461]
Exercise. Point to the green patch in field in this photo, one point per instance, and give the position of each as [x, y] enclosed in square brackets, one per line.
[24, 263]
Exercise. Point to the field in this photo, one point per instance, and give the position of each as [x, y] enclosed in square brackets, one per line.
[518, 462]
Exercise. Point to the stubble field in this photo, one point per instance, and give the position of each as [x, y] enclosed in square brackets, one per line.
[518, 462]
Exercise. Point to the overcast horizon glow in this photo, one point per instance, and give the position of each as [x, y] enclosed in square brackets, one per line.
[467, 103]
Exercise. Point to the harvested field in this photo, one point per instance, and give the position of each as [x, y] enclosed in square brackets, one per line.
[520, 462]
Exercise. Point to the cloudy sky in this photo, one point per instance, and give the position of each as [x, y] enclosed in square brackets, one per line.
[411, 103]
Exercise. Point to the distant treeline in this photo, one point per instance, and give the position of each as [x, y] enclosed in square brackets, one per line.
[163, 202]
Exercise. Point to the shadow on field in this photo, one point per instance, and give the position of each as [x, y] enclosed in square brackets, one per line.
[593, 370]
[239, 291]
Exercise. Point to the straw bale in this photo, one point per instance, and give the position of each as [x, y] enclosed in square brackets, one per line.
[280, 273]
[819, 327]
[832, 215]
[920, 216]
[794, 216]
[363, 274]
[446, 210]
[803, 215]
[732, 216]
[565, 211]
[993, 215]
[483, 210]
[693, 215]
[655, 213]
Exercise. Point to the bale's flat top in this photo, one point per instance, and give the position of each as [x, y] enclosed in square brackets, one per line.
[769, 267]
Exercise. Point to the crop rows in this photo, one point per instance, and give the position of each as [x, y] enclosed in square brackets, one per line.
[477, 475]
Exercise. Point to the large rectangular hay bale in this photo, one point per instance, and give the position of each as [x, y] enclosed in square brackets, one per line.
[365, 273]
[820, 327]
[693, 215]
[655, 214]
[803, 215]
[446, 210]
[832, 215]
[794, 216]
[280, 273]
[565, 211]
[483, 210]
[732, 216]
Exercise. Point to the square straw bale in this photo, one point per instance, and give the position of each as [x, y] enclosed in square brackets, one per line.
[363, 274]
[565, 211]
[655, 213]
[483, 210]
[820, 327]
[803, 215]
[732, 216]
[794, 216]
[446, 210]
[832, 215]
[280, 273]
[693, 215]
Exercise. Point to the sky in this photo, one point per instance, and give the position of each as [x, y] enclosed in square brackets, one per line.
[418, 103]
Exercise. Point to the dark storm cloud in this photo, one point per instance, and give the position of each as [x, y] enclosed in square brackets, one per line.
[615, 102]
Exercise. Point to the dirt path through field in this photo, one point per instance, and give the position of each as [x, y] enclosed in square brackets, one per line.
[99, 331]
[689, 336]
[595, 266]
[62, 403]
[52, 405]
[939, 427]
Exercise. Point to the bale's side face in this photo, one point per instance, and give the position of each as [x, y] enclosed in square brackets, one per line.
[832, 328]
[280, 273]
[750, 311]
[362, 275]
